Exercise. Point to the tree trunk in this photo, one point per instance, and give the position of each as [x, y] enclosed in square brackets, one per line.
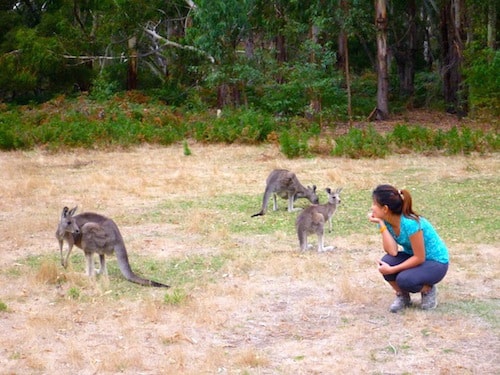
[132, 64]
[342, 40]
[280, 55]
[428, 26]
[381, 22]
[405, 55]
[492, 26]
[280, 41]
[314, 95]
[343, 56]
[452, 36]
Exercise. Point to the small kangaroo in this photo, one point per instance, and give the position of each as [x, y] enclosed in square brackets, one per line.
[285, 184]
[94, 233]
[312, 220]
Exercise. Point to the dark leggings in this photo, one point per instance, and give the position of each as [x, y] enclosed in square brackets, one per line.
[413, 279]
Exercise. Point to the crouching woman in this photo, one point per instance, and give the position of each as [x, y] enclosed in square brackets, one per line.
[423, 259]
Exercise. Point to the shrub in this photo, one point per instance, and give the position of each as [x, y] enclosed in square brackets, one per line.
[359, 143]
[246, 126]
[415, 138]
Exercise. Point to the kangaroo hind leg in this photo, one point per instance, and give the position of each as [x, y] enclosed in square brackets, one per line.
[90, 264]
[103, 270]
[321, 245]
[291, 199]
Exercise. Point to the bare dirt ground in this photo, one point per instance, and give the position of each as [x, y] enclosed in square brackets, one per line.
[271, 310]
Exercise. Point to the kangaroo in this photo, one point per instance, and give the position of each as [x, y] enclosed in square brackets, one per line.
[94, 233]
[285, 184]
[312, 220]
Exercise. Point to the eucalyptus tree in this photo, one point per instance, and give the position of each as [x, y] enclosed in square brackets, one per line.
[381, 22]
[219, 29]
[57, 45]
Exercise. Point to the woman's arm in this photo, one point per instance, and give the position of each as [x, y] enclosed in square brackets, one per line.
[388, 242]
[418, 247]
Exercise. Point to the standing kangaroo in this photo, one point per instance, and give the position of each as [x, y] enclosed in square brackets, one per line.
[285, 184]
[94, 233]
[312, 220]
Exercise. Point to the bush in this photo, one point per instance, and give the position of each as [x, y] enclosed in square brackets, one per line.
[483, 79]
[416, 138]
[360, 143]
[134, 118]
[293, 144]
[246, 126]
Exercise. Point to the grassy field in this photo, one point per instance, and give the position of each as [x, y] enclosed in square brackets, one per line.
[244, 299]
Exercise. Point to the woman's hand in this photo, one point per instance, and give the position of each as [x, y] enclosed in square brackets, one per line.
[384, 268]
[374, 219]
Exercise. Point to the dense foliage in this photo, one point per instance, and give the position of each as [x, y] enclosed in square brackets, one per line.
[283, 57]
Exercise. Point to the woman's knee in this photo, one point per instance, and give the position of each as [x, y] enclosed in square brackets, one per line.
[395, 260]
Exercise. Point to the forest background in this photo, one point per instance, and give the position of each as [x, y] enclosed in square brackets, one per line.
[98, 73]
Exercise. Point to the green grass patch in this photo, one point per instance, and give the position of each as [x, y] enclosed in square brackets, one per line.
[175, 297]
[182, 274]
[483, 309]
[449, 203]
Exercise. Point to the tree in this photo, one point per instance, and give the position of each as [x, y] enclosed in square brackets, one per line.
[381, 22]
[405, 49]
[452, 15]
[343, 53]
[219, 27]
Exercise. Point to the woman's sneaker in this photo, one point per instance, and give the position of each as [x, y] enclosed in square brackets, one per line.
[402, 301]
[429, 299]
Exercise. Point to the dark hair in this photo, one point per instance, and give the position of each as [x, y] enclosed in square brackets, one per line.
[398, 201]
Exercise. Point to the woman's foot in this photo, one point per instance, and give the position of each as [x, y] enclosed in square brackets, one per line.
[429, 299]
[402, 301]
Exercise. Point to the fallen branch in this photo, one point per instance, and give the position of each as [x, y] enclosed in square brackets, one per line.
[167, 42]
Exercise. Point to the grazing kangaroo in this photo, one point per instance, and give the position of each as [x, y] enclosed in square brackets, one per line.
[312, 220]
[94, 233]
[285, 184]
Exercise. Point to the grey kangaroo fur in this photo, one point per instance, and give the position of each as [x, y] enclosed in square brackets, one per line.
[312, 220]
[285, 184]
[94, 233]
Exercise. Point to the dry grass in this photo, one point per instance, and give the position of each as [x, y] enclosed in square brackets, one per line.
[267, 310]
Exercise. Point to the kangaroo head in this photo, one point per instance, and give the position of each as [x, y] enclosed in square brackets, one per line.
[67, 224]
[311, 194]
[333, 197]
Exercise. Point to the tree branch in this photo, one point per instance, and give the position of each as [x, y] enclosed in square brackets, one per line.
[167, 42]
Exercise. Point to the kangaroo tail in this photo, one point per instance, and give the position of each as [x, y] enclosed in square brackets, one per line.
[131, 276]
[124, 265]
[158, 285]
[302, 235]
[261, 213]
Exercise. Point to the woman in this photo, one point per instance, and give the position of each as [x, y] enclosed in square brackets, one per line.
[423, 259]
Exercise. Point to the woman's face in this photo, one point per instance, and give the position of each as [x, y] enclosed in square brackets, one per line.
[379, 211]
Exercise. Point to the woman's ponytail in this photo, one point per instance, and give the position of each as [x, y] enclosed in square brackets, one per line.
[407, 209]
[398, 201]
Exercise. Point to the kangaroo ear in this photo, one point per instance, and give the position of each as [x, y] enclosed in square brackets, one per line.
[64, 212]
[339, 190]
[72, 211]
[314, 188]
[328, 190]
